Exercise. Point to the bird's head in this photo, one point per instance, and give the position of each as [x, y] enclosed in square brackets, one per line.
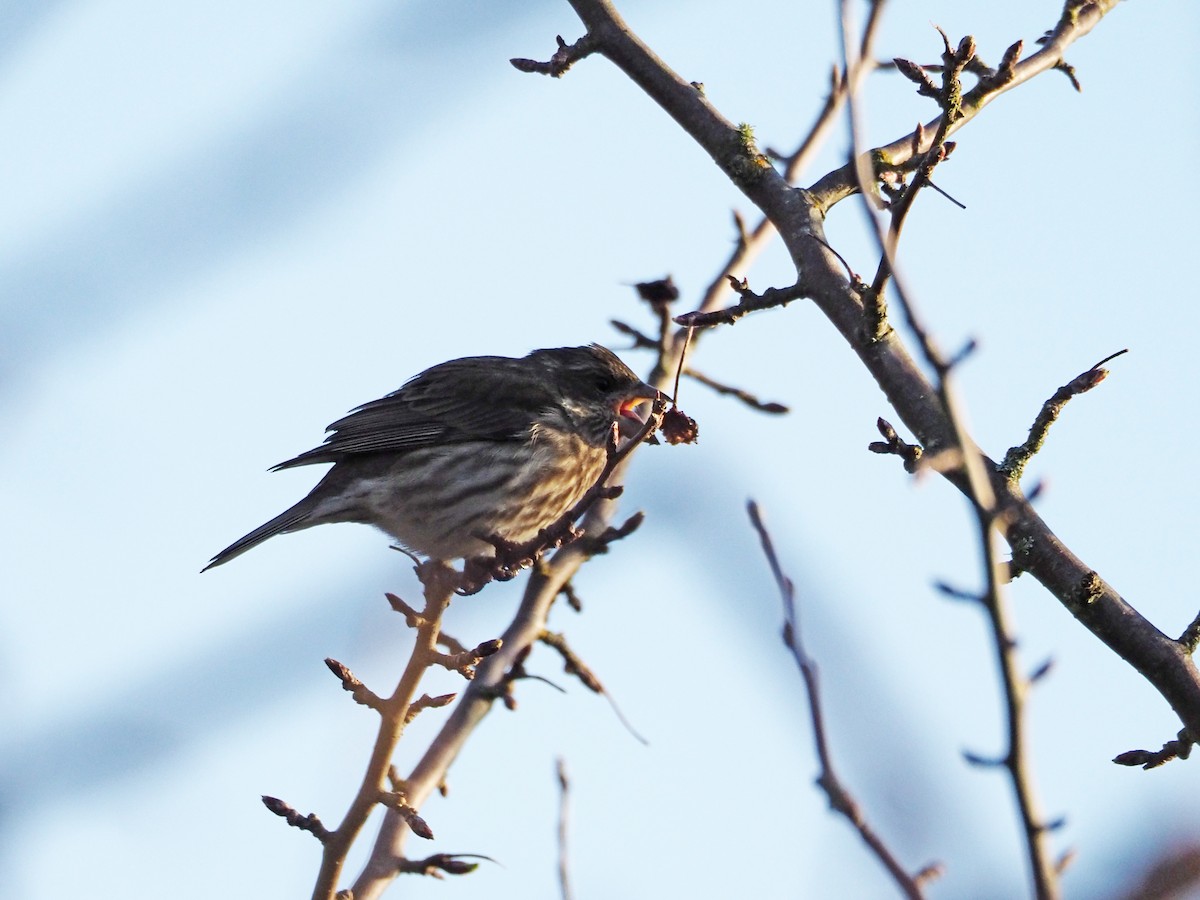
[595, 389]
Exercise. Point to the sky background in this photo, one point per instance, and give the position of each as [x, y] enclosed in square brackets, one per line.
[226, 224]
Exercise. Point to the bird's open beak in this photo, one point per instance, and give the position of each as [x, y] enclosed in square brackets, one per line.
[635, 409]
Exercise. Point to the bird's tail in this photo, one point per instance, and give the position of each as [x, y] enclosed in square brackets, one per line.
[293, 519]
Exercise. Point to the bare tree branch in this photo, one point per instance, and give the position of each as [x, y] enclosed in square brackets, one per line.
[439, 581]
[840, 799]
[973, 469]
[928, 410]
[1077, 19]
[799, 215]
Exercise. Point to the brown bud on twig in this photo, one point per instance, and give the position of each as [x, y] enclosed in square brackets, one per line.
[309, 823]
[966, 50]
[910, 454]
[1180, 748]
[419, 826]
[1015, 460]
[488, 648]
[1008, 62]
[450, 863]
[458, 867]
[396, 801]
[564, 57]
[361, 693]
[917, 75]
[1135, 758]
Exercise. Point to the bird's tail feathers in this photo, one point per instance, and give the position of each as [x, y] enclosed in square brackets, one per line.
[292, 519]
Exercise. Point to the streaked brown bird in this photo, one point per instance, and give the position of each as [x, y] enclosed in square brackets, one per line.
[486, 445]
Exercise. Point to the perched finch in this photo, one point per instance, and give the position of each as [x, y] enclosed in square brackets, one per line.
[486, 445]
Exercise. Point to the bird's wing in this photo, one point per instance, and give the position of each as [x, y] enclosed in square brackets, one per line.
[480, 399]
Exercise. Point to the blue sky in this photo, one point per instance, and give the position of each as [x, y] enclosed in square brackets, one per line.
[226, 225]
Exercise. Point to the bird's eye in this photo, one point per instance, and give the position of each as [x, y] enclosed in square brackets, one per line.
[605, 383]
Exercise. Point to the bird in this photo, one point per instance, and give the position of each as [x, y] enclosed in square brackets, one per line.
[470, 448]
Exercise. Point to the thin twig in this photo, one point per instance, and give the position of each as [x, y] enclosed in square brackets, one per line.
[750, 302]
[1077, 19]
[574, 665]
[751, 243]
[840, 799]
[949, 97]
[687, 340]
[309, 823]
[1015, 460]
[564, 809]
[564, 57]
[911, 454]
[435, 866]
[978, 487]
[1179, 748]
[767, 406]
